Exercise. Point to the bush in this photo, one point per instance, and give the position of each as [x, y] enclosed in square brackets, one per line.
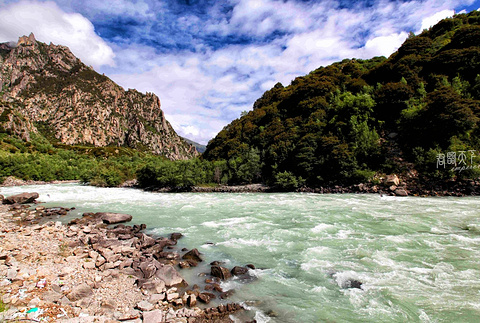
[287, 181]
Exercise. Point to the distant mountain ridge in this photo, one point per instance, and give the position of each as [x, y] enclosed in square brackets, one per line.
[46, 89]
[200, 148]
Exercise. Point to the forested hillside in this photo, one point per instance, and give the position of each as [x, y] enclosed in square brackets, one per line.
[354, 120]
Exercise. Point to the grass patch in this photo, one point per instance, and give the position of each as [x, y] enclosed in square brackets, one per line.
[63, 250]
[3, 306]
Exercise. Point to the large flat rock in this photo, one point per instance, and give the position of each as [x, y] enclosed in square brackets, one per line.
[112, 218]
[22, 198]
[169, 275]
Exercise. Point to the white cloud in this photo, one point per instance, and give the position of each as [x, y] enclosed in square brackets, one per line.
[203, 91]
[433, 19]
[50, 24]
[384, 45]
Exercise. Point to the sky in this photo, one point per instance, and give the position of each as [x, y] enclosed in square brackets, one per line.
[208, 61]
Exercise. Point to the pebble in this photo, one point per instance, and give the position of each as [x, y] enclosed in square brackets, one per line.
[82, 272]
[145, 306]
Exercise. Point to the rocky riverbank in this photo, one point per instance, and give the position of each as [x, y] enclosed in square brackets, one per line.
[391, 185]
[13, 181]
[87, 271]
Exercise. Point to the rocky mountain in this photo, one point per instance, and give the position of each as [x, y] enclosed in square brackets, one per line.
[46, 89]
[200, 148]
[357, 120]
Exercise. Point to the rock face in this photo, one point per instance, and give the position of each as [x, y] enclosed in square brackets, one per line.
[45, 88]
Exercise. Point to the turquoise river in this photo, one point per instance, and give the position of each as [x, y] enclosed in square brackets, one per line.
[418, 258]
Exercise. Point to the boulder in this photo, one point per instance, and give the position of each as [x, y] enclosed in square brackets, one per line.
[205, 297]
[175, 236]
[401, 192]
[392, 180]
[220, 272]
[22, 198]
[1, 199]
[152, 285]
[352, 283]
[51, 296]
[155, 316]
[155, 298]
[192, 300]
[184, 264]
[112, 218]
[194, 255]
[146, 241]
[172, 296]
[169, 275]
[237, 271]
[148, 269]
[145, 306]
[227, 294]
[80, 292]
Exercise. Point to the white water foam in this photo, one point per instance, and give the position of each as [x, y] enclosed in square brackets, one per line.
[411, 254]
[322, 227]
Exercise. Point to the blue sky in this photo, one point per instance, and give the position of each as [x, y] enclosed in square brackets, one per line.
[210, 60]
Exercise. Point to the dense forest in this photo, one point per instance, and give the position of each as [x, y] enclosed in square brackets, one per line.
[357, 119]
[416, 113]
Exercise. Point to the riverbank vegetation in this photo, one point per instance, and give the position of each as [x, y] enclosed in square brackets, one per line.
[416, 114]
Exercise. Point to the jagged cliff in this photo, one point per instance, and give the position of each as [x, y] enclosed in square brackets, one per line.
[45, 88]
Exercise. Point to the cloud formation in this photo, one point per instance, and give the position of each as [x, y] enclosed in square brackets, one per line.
[50, 24]
[210, 60]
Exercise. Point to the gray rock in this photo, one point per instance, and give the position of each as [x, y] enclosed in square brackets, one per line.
[11, 274]
[126, 263]
[145, 306]
[392, 180]
[172, 296]
[80, 292]
[51, 296]
[112, 218]
[65, 301]
[148, 269]
[155, 285]
[147, 241]
[352, 283]
[89, 265]
[100, 261]
[156, 316]
[205, 297]
[192, 300]
[237, 271]
[169, 275]
[155, 298]
[194, 255]
[220, 272]
[22, 198]
[401, 192]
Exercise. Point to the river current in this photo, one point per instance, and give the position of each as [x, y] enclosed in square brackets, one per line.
[418, 258]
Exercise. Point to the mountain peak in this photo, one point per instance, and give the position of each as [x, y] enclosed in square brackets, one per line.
[70, 103]
[30, 40]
